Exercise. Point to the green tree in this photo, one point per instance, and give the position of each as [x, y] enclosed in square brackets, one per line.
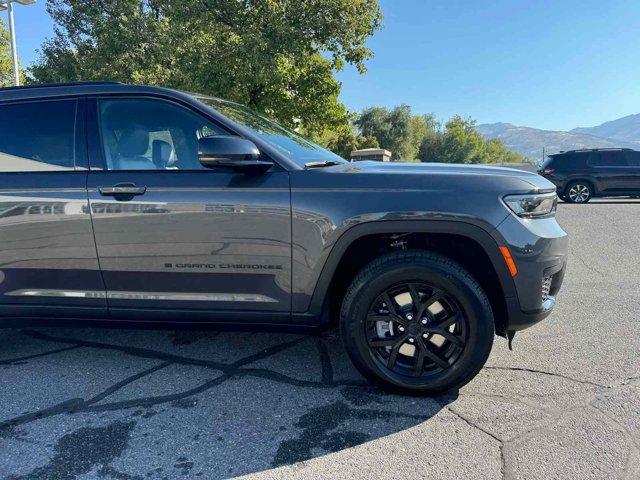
[497, 152]
[277, 56]
[345, 140]
[6, 67]
[431, 147]
[460, 142]
[397, 130]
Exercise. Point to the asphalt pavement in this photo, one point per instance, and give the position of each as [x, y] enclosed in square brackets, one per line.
[150, 404]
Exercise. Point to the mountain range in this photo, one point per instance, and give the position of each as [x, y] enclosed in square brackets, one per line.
[623, 132]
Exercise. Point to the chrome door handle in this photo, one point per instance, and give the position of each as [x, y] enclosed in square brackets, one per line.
[124, 189]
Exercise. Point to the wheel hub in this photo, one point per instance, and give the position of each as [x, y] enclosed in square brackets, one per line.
[414, 329]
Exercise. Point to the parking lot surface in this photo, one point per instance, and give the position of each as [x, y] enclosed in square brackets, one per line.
[141, 404]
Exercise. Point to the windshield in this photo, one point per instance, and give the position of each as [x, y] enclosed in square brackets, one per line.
[295, 147]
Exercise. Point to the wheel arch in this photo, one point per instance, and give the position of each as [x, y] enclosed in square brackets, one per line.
[472, 236]
[590, 181]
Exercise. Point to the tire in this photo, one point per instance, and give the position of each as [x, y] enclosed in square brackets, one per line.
[578, 192]
[463, 349]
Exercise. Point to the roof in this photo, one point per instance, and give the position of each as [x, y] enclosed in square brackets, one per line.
[63, 84]
[584, 150]
[54, 90]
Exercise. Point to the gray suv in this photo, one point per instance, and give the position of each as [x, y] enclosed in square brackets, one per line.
[124, 203]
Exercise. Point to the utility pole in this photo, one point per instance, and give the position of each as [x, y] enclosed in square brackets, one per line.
[14, 48]
[8, 6]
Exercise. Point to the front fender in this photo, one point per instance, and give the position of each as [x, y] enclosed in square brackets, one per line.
[489, 240]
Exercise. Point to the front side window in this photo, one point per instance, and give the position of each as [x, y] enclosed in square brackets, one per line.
[295, 147]
[37, 136]
[146, 134]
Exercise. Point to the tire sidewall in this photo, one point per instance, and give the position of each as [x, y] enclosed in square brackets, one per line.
[476, 311]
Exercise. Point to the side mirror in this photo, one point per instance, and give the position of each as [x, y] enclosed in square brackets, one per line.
[233, 153]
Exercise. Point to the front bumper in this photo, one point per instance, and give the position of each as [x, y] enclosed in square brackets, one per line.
[539, 248]
[519, 319]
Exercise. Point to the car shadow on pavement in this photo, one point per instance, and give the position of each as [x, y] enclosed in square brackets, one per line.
[164, 404]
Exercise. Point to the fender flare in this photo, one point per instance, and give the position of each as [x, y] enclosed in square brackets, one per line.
[489, 242]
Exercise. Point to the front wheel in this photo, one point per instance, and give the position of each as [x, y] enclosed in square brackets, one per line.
[418, 322]
[578, 192]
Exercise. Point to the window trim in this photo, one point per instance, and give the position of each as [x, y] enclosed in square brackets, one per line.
[97, 160]
[79, 156]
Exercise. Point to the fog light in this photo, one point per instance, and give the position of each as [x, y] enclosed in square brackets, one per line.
[546, 287]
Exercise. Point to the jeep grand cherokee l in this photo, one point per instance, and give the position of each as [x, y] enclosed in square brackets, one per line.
[580, 175]
[133, 203]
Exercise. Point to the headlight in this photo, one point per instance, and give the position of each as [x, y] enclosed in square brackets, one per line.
[532, 205]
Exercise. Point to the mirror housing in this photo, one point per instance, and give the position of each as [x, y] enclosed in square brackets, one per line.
[233, 153]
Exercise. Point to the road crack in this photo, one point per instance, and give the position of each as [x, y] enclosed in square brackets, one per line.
[543, 372]
[501, 442]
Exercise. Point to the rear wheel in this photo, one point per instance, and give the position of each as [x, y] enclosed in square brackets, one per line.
[417, 321]
[578, 192]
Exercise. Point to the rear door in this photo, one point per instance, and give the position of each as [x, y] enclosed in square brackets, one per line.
[612, 171]
[48, 261]
[186, 242]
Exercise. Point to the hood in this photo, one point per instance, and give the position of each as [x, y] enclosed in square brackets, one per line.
[413, 168]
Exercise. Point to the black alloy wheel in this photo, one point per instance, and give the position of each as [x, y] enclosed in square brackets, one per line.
[416, 321]
[415, 329]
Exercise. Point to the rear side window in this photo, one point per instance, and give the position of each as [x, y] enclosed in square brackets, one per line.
[37, 136]
[609, 159]
[633, 158]
[548, 163]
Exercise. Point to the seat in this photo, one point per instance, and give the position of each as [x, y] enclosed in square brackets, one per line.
[163, 155]
[131, 147]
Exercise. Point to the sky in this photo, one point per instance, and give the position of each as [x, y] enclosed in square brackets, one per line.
[546, 64]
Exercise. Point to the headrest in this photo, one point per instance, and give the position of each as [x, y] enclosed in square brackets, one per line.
[133, 142]
[162, 154]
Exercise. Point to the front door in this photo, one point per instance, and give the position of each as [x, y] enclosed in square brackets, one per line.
[633, 161]
[48, 261]
[174, 238]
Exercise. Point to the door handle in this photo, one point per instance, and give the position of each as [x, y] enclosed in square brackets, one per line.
[122, 189]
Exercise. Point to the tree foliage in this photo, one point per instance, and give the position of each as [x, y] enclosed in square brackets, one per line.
[344, 140]
[460, 142]
[420, 137]
[6, 67]
[276, 56]
[397, 129]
